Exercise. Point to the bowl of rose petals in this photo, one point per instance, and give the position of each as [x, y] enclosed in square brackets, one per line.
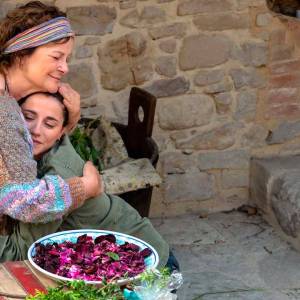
[93, 256]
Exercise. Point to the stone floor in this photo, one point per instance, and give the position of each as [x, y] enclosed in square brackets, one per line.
[232, 256]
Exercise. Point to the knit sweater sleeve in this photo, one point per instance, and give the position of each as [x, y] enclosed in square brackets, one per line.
[22, 196]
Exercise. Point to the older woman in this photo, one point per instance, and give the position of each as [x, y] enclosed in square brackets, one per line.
[36, 41]
[55, 155]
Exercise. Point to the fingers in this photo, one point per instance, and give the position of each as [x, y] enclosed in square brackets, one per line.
[72, 103]
[92, 180]
[71, 97]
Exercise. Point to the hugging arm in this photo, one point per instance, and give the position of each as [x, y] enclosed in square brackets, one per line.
[22, 196]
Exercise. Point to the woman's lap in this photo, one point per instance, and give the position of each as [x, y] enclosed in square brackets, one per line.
[120, 217]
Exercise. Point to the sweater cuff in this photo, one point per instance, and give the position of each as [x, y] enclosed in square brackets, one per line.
[77, 192]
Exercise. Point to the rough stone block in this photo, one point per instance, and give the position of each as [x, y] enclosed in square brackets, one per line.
[263, 171]
[252, 53]
[176, 162]
[223, 102]
[177, 30]
[152, 15]
[168, 46]
[246, 105]
[281, 52]
[285, 202]
[123, 61]
[230, 159]
[185, 111]
[222, 21]
[221, 136]
[275, 190]
[223, 86]
[168, 87]
[92, 20]
[282, 103]
[189, 186]
[254, 136]
[247, 77]
[284, 132]
[125, 4]
[191, 7]
[234, 178]
[201, 51]
[285, 80]
[131, 19]
[164, 1]
[83, 52]
[166, 66]
[278, 37]
[82, 77]
[284, 66]
[263, 19]
[204, 78]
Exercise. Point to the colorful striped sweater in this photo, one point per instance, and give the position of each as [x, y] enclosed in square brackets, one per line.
[22, 196]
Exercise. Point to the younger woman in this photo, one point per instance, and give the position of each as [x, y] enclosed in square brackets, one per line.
[55, 155]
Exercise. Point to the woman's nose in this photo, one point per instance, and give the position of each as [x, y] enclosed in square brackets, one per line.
[63, 67]
[35, 128]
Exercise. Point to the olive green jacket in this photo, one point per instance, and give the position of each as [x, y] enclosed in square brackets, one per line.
[105, 212]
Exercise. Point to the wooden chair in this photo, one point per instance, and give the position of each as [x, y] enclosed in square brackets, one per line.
[138, 142]
[137, 137]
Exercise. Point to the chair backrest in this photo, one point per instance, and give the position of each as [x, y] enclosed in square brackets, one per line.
[141, 100]
[141, 103]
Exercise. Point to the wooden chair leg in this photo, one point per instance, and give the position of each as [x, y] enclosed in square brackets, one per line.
[140, 200]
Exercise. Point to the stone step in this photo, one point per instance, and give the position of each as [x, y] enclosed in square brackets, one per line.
[275, 190]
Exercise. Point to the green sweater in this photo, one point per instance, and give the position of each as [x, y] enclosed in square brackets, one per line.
[106, 212]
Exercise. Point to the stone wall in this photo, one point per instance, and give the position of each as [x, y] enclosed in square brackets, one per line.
[226, 75]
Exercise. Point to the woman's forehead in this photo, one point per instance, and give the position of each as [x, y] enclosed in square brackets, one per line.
[64, 47]
[45, 102]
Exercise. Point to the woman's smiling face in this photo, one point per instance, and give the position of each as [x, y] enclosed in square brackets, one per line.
[44, 115]
[45, 67]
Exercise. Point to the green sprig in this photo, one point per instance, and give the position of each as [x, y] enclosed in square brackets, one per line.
[161, 277]
[83, 144]
[79, 290]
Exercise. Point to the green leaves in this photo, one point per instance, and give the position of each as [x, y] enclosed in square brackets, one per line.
[83, 145]
[79, 290]
[149, 277]
[113, 255]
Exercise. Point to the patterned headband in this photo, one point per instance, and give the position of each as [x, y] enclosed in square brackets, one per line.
[41, 34]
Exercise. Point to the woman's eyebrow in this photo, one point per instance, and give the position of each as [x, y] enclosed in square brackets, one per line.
[28, 110]
[59, 52]
[51, 119]
[48, 118]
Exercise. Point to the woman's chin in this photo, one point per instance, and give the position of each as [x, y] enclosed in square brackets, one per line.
[37, 156]
[53, 89]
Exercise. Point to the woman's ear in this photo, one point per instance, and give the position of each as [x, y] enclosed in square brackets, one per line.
[63, 132]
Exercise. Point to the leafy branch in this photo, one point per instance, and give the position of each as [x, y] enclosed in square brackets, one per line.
[83, 144]
[149, 277]
[79, 290]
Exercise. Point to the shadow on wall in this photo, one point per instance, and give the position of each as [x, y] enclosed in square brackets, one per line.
[285, 7]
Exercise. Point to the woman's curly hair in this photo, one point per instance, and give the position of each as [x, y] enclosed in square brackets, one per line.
[20, 19]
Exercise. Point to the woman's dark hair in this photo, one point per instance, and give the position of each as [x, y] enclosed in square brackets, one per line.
[57, 96]
[20, 19]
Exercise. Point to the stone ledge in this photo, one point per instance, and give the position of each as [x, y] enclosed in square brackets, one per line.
[275, 190]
